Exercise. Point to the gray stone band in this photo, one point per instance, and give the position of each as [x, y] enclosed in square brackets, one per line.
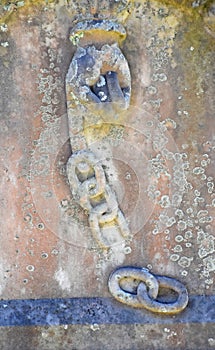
[41, 312]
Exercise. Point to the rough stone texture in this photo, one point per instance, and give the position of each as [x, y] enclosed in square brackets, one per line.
[109, 337]
[164, 182]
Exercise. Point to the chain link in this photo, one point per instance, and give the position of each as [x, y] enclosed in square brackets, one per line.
[131, 273]
[89, 187]
[147, 290]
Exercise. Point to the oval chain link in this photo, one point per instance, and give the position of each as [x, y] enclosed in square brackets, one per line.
[125, 273]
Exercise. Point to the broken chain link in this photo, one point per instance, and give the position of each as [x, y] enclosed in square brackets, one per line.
[89, 187]
[146, 292]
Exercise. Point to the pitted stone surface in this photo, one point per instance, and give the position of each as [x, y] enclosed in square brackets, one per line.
[171, 82]
[46, 246]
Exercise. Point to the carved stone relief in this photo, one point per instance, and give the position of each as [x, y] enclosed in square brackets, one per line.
[108, 188]
[98, 88]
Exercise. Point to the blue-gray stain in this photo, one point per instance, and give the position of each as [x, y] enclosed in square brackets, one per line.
[40, 312]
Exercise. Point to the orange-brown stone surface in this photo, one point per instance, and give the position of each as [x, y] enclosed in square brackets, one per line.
[162, 152]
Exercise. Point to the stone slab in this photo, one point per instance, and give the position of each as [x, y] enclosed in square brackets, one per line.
[43, 260]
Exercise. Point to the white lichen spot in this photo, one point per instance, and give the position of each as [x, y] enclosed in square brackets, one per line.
[94, 327]
[64, 203]
[149, 267]
[201, 236]
[185, 261]
[30, 268]
[159, 77]
[54, 252]
[102, 95]
[189, 210]
[167, 154]
[2, 275]
[152, 90]
[101, 82]
[155, 231]
[62, 278]
[210, 186]
[209, 281]
[184, 155]
[165, 201]
[127, 250]
[174, 257]
[5, 44]
[150, 123]
[171, 221]
[202, 213]
[198, 200]
[181, 225]
[179, 213]
[178, 248]
[163, 219]
[207, 246]
[128, 176]
[206, 219]
[179, 238]
[188, 234]
[198, 170]
[20, 3]
[176, 199]
[209, 263]
[197, 193]
[4, 27]
[211, 341]
[162, 77]
[41, 226]
[169, 123]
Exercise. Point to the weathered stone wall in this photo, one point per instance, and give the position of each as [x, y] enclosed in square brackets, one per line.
[47, 250]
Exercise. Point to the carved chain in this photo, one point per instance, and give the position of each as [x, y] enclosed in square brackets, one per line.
[146, 292]
[99, 76]
[90, 189]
